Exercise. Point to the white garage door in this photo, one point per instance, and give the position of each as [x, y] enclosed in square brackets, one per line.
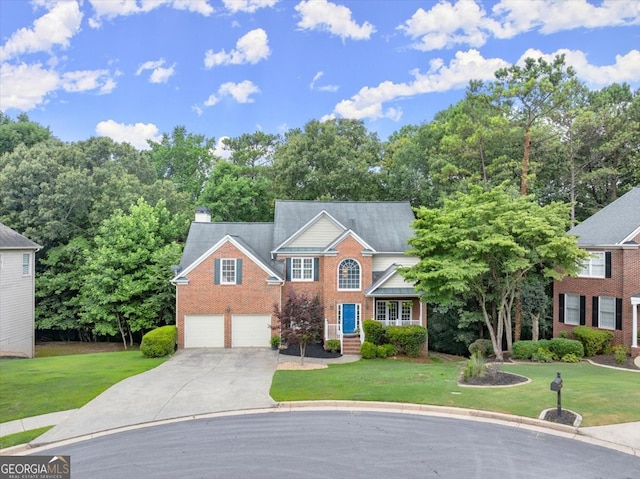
[250, 330]
[204, 331]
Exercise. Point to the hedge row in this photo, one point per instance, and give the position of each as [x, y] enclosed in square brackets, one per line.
[159, 342]
[558, 347]
[407, 340]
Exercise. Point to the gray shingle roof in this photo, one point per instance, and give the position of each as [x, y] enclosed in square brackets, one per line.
[10, 239]
[386, 226]
[254, 236]
[613, 224]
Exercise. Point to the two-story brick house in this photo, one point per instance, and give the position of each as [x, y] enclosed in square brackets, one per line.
[606, 293]
[231, 275]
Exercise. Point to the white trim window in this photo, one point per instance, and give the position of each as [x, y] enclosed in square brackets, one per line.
[594, 267]
[301, 269]
[572, 309]
[26, 264]
[395, 312]
[227, 271]
[349, 275]
[606, 312]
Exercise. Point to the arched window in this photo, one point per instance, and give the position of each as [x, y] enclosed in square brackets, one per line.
[349, 274]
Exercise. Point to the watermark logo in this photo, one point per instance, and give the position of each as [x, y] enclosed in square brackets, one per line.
[35, 467]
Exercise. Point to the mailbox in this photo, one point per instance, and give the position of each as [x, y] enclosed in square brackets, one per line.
[556, 384]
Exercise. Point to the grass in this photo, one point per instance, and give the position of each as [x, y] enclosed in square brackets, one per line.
[31, 387]
[22, 437]
[602, 396]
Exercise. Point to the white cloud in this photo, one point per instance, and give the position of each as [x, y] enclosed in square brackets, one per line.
[220, 150]
[110, 9]
[317, 76]
[248, 6]
[625, 69]
[369, 101]
[136, 135]
[85, 80]
[251, 48]
[336, 19]
[56, 27]
[26, 86]
[465, 22]
[240, 92]
[159, 74]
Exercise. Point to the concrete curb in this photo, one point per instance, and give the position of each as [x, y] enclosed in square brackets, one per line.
[536, 425]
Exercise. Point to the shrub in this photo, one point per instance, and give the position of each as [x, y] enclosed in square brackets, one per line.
[524, 349]
[407, 339]
[620, 354]
[368, 350]
[275, 341]
[159, 342]
[542, 355]
[373, 331]
[332, 345]
[560, 347]
[474, 367]
[595, 341]
[563, 334]
[484, 346]
[385, 350]
[571, 358]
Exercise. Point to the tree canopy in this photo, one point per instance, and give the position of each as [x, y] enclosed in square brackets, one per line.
[482, 244]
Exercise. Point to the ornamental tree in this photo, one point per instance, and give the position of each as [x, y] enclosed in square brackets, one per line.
[301, 320]
[480, 245]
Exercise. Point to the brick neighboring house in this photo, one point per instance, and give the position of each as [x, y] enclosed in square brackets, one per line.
[17, 293]
[606, 294]
[232, 274]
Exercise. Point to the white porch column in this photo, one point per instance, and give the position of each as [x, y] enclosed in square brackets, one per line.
[635, 302]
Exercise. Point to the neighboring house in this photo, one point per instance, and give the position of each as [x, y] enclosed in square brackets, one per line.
[17, 293]
[606, 294]
[233, 274]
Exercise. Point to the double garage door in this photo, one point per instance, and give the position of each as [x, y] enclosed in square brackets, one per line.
[207, 331]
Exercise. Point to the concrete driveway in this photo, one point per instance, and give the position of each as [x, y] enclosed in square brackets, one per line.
[193, 381]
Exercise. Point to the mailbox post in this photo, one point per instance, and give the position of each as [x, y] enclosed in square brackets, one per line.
[556, 385]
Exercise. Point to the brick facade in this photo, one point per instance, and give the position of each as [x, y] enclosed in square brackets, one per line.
[624, 283]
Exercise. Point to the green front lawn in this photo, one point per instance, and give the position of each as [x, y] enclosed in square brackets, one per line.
[30, 387]
[600, 395]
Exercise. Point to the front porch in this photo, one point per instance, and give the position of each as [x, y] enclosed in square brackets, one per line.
[347, 325]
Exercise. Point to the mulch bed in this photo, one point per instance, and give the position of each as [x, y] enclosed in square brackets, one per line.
[496, 378]
[311, 351]
[609, 360]
[567, 417]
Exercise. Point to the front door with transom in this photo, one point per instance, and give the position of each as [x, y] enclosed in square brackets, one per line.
[348, 318]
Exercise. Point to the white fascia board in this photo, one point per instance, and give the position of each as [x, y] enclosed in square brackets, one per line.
[218, 245]
[351, 233]
[633, 234]
[307, 226]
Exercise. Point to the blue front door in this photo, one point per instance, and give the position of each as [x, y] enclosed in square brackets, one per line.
[348, 318]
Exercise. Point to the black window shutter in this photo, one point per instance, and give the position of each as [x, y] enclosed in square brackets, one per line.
[583, 302]
[619, 314]
[287, 272]
[316, 269]
[561, 308]
[216, 271]
[594, 311]
[607, 264]
[239, 271]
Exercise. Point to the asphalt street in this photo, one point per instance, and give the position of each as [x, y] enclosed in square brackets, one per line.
[356, 444]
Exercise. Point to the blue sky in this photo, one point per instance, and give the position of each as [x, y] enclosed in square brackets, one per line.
[134, 69]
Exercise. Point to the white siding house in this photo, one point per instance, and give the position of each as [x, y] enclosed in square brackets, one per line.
[17, 293]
